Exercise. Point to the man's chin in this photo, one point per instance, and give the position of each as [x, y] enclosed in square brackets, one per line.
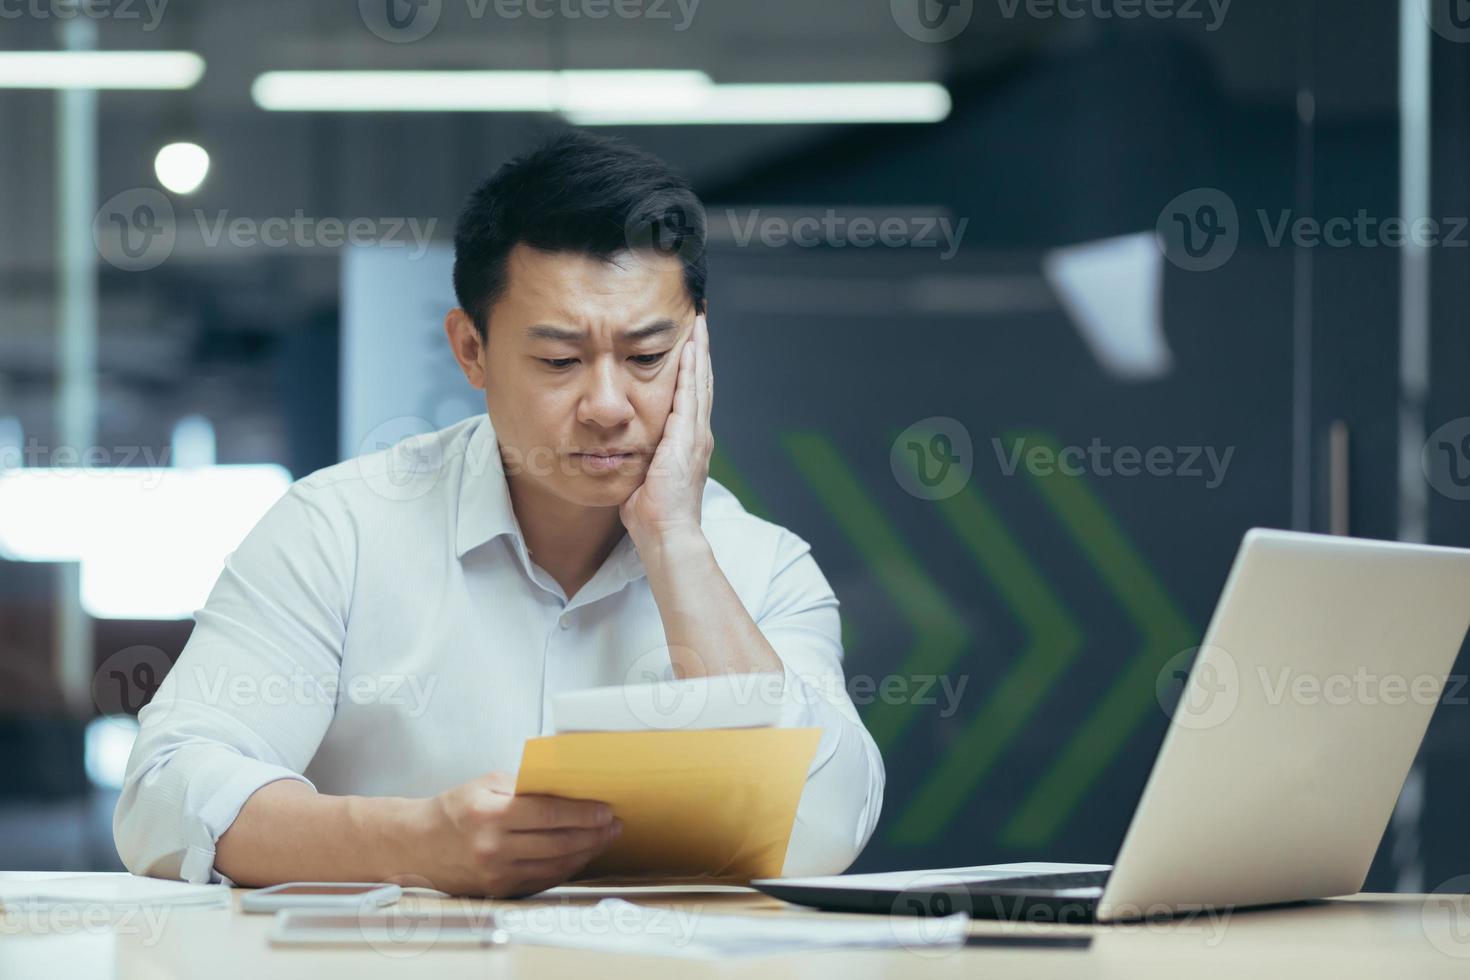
[602, 490]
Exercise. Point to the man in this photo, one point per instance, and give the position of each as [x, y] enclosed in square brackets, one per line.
[359, 685]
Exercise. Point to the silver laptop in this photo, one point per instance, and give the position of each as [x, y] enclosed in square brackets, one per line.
[1291, 738]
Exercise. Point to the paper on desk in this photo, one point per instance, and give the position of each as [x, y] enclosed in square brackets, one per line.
[931, 877]
[711, 805]
[616, 926]
[113, 891]
[661, 890]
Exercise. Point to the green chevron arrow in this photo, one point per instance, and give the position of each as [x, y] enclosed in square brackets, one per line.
[1054, 639]
[940, 634]
[722, 470]
[1165, 631]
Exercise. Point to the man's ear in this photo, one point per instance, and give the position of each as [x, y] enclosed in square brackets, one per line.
[468, 347]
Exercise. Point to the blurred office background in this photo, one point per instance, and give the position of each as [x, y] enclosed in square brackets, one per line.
[1084, 210]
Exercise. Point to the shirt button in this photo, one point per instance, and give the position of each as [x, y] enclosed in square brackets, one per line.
[565, 623]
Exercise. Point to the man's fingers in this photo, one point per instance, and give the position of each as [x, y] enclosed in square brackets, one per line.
[538, 876]
[679, 427]
[536, 845]
[500, 782]
[709, 382]
[686, 401]
[701, 378]
[556, 812]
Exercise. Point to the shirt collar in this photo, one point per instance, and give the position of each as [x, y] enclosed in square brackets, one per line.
[485, 511]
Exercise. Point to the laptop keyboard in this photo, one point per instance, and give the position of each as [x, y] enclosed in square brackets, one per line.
[1045, 882]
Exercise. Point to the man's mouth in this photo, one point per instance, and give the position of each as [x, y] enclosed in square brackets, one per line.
[606, 459]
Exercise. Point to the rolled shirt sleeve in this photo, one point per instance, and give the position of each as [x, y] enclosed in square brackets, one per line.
[844, 791]
[250, 698]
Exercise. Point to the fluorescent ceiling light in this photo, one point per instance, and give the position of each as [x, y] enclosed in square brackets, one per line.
[602, 98]
[100, 69]
[474, 91]
[828, 102]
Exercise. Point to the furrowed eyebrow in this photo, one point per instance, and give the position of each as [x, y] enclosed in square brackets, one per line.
[651, 330]
[543, 331]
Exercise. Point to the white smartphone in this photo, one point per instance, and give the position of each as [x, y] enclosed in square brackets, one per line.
[320, 895]
[384, 930]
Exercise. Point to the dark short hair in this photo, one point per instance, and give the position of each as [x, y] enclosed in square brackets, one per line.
[596, 195]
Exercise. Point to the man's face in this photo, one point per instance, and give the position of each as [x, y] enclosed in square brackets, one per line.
[579, 369]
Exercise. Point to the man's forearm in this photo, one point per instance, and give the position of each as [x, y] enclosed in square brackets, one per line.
[286, 831]
[707, 628]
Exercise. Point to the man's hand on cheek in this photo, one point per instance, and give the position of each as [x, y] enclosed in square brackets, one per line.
[666, 507]
[707, 628]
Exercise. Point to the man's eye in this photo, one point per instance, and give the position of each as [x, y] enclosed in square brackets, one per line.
[558, 363]
[648, 360]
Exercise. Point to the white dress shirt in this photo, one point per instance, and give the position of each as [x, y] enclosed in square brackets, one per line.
[383, 631]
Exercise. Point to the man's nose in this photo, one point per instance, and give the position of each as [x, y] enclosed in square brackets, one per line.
[605, 402]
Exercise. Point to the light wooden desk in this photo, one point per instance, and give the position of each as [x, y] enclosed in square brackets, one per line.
[1377, 936]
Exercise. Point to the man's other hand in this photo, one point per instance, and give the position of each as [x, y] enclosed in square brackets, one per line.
[480, 838]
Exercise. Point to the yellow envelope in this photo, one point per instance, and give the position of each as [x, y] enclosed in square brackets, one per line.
[709, 804]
